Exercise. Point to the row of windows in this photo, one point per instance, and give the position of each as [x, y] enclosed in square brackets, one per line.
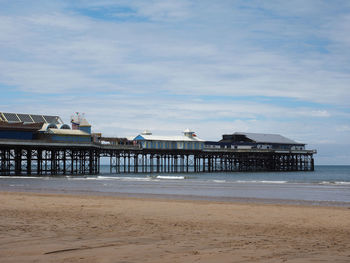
[173, 145]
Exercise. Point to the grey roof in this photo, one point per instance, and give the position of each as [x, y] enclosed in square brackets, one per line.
[268, 138]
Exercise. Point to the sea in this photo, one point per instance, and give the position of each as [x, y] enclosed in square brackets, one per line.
[327, 186]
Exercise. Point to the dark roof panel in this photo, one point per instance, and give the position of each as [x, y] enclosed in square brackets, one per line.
[25, 117]
[246, 137]
[10, 117]
[38, 118]
[51, 119]
[267, 138]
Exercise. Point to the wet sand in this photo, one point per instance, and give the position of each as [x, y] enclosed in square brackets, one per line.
[70, 228]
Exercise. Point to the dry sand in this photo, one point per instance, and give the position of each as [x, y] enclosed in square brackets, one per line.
[67, 228]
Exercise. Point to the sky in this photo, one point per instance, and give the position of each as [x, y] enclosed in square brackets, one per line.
[216, 67]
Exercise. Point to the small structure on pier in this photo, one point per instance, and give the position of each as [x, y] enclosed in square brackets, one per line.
[187, 141]
[79, 122]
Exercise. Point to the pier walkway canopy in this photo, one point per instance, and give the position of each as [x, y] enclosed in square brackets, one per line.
[29, 118]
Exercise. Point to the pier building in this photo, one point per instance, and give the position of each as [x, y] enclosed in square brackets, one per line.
[25, 126]
[64, 135]
[42, 127]
[187, 141]
[245, 140]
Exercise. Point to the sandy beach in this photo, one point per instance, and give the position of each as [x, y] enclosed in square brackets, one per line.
[70, 228]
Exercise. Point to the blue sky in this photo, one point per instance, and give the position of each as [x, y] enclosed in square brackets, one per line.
[213, 66]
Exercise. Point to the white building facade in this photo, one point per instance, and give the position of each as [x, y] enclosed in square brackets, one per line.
[188, 141]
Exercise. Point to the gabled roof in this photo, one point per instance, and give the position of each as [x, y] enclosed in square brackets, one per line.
[267, 138]
[167, 138]
[84, 123]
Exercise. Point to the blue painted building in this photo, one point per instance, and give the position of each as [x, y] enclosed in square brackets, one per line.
[18, 131]
[63, 135]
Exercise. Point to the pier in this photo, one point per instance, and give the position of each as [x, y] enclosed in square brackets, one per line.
[47, 158]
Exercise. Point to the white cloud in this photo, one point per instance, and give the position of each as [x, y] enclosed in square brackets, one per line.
[156, 72]
[164, 10]
[343, 128]
[107, 52]
[320, 113]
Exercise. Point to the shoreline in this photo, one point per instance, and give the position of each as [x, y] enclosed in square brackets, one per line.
[238, 200]
[326, 187]
[43, 227]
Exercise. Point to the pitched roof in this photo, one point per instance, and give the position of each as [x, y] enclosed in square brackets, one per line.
[168, 138]
[267, 138]
[84, 123]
